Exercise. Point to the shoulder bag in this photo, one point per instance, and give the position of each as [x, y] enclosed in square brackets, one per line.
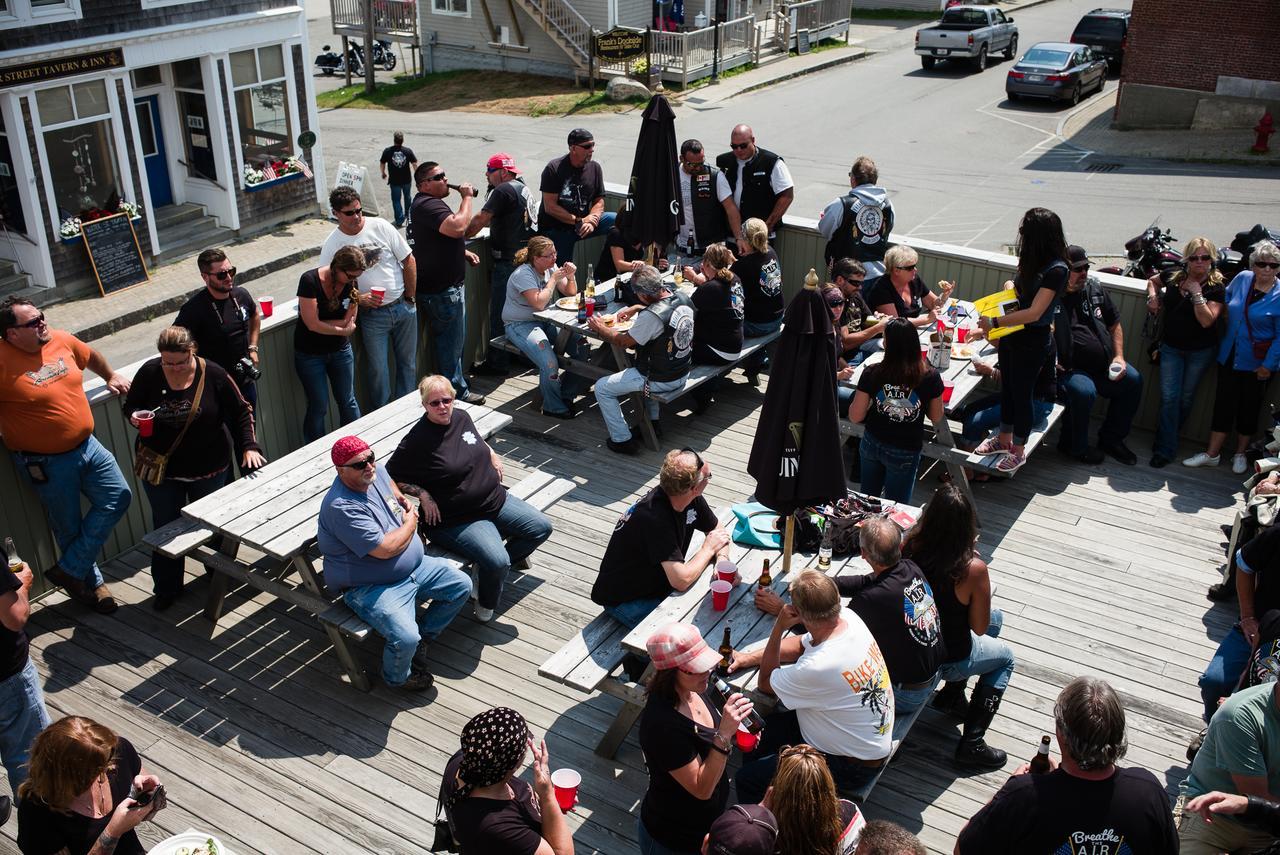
[1260, 348]
[150, 465]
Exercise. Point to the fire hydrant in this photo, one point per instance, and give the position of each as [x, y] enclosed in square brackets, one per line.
[1265, 128]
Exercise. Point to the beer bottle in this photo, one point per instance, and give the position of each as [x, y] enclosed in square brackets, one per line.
[824, 551]
[754, 721]
[726, 653]
[11, 553]
[582, 306]
[1040, 763]
[765, 579]
[591, 295]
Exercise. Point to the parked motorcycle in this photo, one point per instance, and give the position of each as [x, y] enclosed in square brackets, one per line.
[1236, 258]
[330, 63]
[1149, 253]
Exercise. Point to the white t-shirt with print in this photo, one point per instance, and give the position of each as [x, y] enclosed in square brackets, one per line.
[384, 250]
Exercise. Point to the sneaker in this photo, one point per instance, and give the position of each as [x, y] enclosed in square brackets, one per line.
[1202, 459]
[629, 446]
[419, 681]
[470, 397]
[103, 602]
[991, 445]
[482, 614]
[1119, 451]
[1011, 462]
[1239, 464]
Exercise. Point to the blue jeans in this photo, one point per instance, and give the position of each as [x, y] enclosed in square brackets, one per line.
[1180, 373]
[392, 611]
[630, 613]
[499, 272]
[1224, 669]
[844, 397]
[610, 389]
[649, 846]
[536, 340]
[522, 526]
[990, 659]
[395, 325]
[983, 416]
[783, 728]
[905, 704]
[887, 471]
[167, 501]
[1080, 389]
[89, 470]
[752, 329]
[565, 236]
[401, 198]
[339, 368]
[22, 717]
[447, 322]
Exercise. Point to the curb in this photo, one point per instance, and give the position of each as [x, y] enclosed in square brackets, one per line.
[859, 53]
[175, 302]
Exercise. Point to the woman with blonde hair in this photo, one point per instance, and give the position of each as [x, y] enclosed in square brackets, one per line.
[1189, 300]
[86, 792]
[901, 293]
[760, 272]
[717, 324]
[812, 819]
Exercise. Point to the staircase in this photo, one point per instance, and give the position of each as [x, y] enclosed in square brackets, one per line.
[184, 230]
[14, 282]
[566, 27]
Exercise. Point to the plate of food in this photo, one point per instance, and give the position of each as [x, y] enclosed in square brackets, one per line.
[189, 843]
[611, 321]
[967, 350]
[570, 303]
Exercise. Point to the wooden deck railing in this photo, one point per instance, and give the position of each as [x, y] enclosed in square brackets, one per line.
[565, 24]
[393, 20]
[819, 17]
[682, 57]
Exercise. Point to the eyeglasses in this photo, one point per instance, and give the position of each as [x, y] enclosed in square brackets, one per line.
[360, 464]
[1269, 265]
[185, 363]
[906, 267]
[358, 212]
[835, 303]
[439, 177]
[1080, 268]
[585, 146]
[31, 324]
[1205, 257]
[738, 146]
[229, 273]
[440, 402]
[856, 281]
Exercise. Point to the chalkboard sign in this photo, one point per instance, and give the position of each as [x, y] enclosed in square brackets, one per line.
[803, 44]
[114, 253]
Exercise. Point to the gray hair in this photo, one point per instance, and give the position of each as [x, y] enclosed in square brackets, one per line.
[900, 256]
[881, 542]
[647, 280]
[1264, 249]
[1090, 718]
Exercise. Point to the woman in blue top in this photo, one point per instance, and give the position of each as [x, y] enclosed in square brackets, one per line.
[1248, 355]
[1040, 280]
[533, 286]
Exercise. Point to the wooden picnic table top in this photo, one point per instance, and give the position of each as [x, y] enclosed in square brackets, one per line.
[275, 508]
[567, 319]
[959, 373]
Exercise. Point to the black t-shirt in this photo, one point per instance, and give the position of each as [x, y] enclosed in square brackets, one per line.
[898, 607]
[13, 645]
[853, 317]
[494, 826]
[220, 327]
[1180, 327]
[883, 293]
[761, 277]
[453, 464]
[1058, 813]
[717, 322]
[671, 814]
[648, 533]
[442, 261]
[1262, 555]
[1091, 320]
[896, 415]
[44, 831]
[310, 341]
[957, 642]
[575, 189]
[397, 158]
[604, 264]
[1055, 280]
[507, 208]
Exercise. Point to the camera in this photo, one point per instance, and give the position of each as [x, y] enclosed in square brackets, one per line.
[245, 371]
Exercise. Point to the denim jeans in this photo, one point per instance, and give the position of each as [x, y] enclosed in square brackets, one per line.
[649, 846]
[524, 528]
[339, 369]
[887, 471]
[397, 326]
[167, 501]
[401, 198]
[783, 728]
[536, 340]
[392, 611]
[844, 397]
[753, 329]
[1180, 373]
[22, 717]
[1080, 389]
[630, 613]
[990, 659]
[983, 416]
[565, 236]
[447, 323]
[905, 704]
[499, 272]
[1223, 671]
[87, 469]
[610, 389]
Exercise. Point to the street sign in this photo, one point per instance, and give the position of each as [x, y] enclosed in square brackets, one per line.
[620, 43]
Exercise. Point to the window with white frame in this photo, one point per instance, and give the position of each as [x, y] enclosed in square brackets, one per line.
[451, 7]
[29, 13]
[79, 146]
[262, 104]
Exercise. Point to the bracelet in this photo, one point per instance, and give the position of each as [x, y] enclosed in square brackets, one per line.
[253, 348]
[715, 743]
[995, 321]
[1199, 300]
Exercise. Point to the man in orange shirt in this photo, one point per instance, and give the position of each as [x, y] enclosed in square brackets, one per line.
[47, 426]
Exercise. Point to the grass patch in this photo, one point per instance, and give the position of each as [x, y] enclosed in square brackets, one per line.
[706, 81]
[476, 91]
[824, 45]
[893, 15]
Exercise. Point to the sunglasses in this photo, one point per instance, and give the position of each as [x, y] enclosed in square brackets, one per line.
[907, 267]
[835, 304]
[586, 146]
[229, 273]
[697, 459]
[738, 146]
[1200, 258]
[1268, 265]
[439, 177]
[360, 464]
[1080, 267]
[356, 213]
[440, 402]
[31, 324]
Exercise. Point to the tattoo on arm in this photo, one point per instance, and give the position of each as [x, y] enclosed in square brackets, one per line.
[105, 845]
[411, 489]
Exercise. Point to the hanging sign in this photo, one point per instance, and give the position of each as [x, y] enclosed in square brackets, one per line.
[620, 43]
[66, 66]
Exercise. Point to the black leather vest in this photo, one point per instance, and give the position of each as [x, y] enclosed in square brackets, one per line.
[863, 232]
[668, 355]
[710, 225]
[757, 195]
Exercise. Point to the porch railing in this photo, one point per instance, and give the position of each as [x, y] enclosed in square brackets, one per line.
[683, 57]
[393, 20]
[564, 23]
[822, 18]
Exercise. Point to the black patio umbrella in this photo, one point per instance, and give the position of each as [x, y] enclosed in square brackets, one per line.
[795, 457]
[653, 194]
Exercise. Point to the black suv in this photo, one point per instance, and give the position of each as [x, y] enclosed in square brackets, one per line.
[1106, 31]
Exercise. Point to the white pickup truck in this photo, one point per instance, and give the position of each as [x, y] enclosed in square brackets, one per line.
[968, 32]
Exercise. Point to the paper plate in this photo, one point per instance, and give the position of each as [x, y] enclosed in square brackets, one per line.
[188, 839]
[570, 303]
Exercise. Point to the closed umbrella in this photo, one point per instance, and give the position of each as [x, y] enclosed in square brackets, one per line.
[653, 194]
[795, 457]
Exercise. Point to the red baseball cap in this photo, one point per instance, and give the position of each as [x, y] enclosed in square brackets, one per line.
[680, 645]
[502, 160]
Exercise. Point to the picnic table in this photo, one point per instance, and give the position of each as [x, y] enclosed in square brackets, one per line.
[275, 510]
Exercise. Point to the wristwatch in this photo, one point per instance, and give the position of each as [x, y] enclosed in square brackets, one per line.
[412, 301]
[995, 321]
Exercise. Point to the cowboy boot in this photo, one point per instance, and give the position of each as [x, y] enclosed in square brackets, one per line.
[973, 752]
[950, 699]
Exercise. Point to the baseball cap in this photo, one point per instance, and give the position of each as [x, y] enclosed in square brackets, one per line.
[577, 136]
[347, 448]
[744, 830]
[1077, 256]
[502, 160]
[680, 645]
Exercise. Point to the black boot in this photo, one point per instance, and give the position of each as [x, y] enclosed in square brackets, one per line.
[951, 700]
[973, 752]
[6, 807]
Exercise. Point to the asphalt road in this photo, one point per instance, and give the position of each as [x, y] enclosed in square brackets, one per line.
[961, 162]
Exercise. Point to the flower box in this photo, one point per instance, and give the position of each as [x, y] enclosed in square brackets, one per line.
[76, 238]
[263, 185]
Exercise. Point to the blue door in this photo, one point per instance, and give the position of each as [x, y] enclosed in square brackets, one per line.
[147, 111]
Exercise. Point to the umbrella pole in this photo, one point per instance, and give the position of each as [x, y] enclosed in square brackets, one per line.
[787, 541]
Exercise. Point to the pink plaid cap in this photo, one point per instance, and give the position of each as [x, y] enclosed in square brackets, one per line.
[680, 645]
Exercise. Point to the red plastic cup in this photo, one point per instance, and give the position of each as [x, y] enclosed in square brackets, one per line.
[268, 305]
[961, 334]
[924, 354]
[378, 293]
[720, 594]
[942, 326]
[947, 390]
[146, 421]
[747, 740]
[566, 783]
[726, 571]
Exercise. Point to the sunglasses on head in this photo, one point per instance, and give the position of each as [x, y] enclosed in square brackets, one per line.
[360, 464]
[697, 460]
[229, 273]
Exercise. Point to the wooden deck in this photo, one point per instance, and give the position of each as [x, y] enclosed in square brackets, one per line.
[1100, 570]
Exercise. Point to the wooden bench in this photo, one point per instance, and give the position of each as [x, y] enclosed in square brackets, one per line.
[177, 538]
